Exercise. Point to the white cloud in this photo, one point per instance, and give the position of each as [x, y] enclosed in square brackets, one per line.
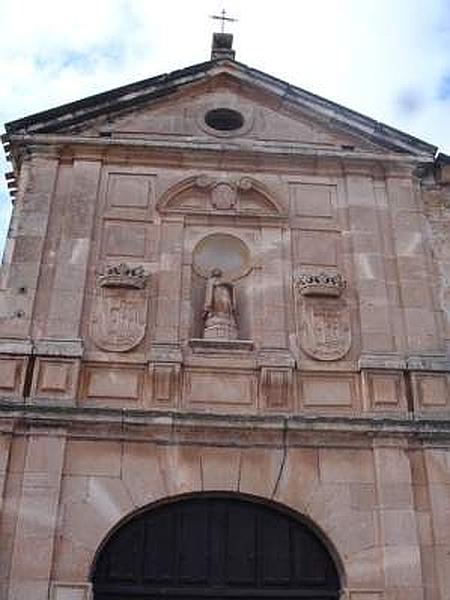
[385, 58]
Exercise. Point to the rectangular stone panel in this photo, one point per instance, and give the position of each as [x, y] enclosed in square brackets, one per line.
[315, 248]
[312, 199]
[12, 373]
[164, 383]
[8, 373]
[232, 390]
[125, 239]
[70, 591]
[55, 378]
[327, 392]
[115, 383]
[129, 190]
[432, 391]
[385, 391]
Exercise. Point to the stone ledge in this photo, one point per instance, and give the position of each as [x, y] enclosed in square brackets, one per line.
[63, 348]
[17, 347]
[367, 426]
[67, 348]
[201, 346]
[383, 360]
[288, 149]
[276, 357]
[396, 362]
[428, 363]
[167, 353]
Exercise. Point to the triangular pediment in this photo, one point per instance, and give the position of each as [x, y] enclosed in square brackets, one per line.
[175, 107]
[184, 116]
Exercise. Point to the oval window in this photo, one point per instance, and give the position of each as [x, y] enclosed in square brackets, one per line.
[224, 119]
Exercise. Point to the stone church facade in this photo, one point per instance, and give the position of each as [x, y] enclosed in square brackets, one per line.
[224, 348]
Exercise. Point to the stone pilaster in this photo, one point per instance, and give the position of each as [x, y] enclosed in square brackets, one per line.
[5, 446]
[169, 283]
[398, 527]
[422, 320]
[273, 324]
[72, 260]
[32, 554]
[370, 267]
[26, 245]
[437, 470]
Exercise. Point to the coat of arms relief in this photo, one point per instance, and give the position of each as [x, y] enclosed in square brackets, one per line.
[325, 328]
[119, 313]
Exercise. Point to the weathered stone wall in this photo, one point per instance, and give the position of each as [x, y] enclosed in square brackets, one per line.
[334, 398]
[437, 210]
[378, 346]
[383, 505]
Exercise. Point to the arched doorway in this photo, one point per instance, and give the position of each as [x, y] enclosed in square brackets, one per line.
[215, 547]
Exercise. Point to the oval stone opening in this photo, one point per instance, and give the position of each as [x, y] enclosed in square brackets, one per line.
[224, 119]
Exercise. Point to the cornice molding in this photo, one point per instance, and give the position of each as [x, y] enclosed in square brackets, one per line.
[62, 144]
[336, 430]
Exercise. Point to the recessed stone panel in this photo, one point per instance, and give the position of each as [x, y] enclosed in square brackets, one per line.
[327, 392]
[315, 248]
[386, 391]
[433, 391]
[218, 388]
[8, 373]
[125, 240]
[113, 383]
[128, 190]
[70, 591]
[12, 373]
[312, 199]
[55, 378]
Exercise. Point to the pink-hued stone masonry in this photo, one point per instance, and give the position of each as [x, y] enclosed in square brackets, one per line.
[328, 388]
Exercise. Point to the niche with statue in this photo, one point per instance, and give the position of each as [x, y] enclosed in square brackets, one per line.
[221, 265]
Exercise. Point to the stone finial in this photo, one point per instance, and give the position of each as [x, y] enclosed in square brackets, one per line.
[222, 46]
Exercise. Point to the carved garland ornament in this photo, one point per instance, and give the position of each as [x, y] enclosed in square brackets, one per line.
[119, 313]
[325, 330]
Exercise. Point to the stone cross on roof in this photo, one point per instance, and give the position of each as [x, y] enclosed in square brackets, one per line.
[222, 17]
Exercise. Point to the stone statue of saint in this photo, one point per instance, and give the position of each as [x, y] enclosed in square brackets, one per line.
[219, 311]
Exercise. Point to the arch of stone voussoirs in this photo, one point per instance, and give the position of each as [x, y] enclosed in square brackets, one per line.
[261, 508]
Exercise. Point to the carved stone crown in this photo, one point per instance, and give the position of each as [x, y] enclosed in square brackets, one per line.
[320, 284]
[123, 276]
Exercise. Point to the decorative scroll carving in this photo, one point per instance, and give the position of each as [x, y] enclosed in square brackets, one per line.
[123, 276]
[320, 284]
[325, 328]
[119, 313]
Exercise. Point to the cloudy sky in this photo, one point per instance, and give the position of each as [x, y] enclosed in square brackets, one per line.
[389, 59]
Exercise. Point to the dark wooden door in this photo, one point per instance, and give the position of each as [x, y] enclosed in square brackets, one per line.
[214, 547]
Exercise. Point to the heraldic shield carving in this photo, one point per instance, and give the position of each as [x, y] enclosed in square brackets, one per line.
[325, 329]
[119, 313]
